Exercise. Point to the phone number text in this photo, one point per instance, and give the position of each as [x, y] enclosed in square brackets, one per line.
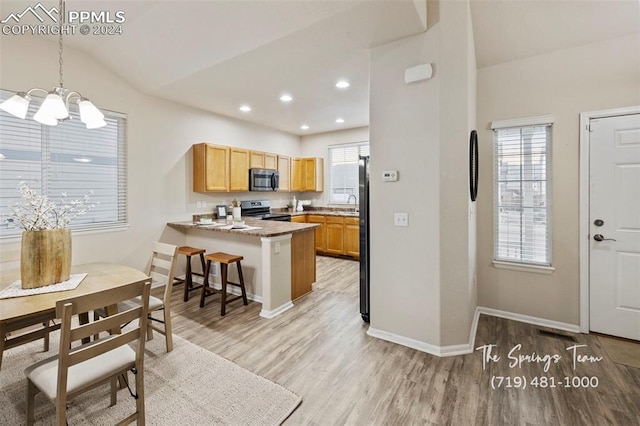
[522, 382]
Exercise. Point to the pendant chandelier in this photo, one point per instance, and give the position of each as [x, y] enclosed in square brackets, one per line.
[55, 107]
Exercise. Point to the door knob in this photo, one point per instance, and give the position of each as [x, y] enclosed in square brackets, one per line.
[600, 237]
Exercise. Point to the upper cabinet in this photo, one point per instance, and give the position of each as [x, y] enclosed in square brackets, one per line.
[226, 169]
[270, 161]
[263, 160]
[313, 174]
[256, 160]
[284, 169]
[297, 174]
[238, 169]
[210, 168]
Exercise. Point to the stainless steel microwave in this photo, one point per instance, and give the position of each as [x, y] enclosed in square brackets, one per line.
[263, 180]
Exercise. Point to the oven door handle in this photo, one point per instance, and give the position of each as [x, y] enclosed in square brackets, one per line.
[274, 181]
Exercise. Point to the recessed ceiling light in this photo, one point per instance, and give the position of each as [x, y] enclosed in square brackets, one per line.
[342, 84]
[286, 98]
[245, 108]
[339, 120]
[304, 127]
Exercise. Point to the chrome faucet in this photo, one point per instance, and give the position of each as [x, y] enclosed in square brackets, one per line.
[355, 201]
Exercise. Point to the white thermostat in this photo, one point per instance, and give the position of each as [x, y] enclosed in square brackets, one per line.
[390, 175]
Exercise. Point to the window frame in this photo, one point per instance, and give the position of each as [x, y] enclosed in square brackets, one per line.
[330, 169]
[520, 264]
[119, 209]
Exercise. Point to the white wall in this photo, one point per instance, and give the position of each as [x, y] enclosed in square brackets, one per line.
[422, 286]
[457, 214]
[563, 83]
[318, 146]
[405, 136]
[160, 134]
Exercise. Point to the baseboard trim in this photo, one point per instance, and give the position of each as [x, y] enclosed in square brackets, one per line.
[529, 319]
[404, 341]
[277, 311]
[467, 348]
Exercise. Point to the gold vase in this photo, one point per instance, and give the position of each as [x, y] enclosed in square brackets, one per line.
[45, 257]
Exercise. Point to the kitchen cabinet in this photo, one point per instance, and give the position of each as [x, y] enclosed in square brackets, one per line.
[299, 219]
[256, 160]
[335, 235]
[297, 174]
[263, 160]
[303, 264]
[284, 169]
[270, 161]
[352, 236]
[238, 169]
[321, 232]
[226, 169]
[313, 171]
[210, 168]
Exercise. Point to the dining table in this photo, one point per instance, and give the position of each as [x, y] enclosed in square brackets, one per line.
[25, 311]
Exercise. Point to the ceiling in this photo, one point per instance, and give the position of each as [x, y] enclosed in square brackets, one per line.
[218, 55]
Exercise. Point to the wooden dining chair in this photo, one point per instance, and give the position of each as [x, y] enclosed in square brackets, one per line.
[25, 330]
[161, 269]
[80, 367]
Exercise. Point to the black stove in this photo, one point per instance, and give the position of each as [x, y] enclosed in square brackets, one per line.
[261, 210]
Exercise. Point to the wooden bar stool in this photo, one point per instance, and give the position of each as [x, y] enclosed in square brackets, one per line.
[225, 259]
[188, 278]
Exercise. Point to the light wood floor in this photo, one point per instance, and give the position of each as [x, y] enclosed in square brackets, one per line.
[320, 350]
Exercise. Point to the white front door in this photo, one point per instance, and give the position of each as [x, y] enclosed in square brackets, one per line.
[614, 216]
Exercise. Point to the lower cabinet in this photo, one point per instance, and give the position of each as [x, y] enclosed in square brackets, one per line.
[299, 219]
[321, 232]
[352, 236]
[335, 235]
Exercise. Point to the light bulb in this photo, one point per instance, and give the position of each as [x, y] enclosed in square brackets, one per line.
[42, 117]
[53, 106]
[17, 105]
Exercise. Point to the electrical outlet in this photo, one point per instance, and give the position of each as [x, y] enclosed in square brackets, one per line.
[198, 204]
[277, 247]
[401, 219]
[203, 204]
[214, 269]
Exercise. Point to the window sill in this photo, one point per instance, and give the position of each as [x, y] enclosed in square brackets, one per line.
[523, 267]
[74, 232]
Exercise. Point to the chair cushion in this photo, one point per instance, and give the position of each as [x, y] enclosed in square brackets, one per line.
[44, 374]
[154, 305]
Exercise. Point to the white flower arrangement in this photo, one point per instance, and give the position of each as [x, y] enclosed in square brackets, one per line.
[36, 212]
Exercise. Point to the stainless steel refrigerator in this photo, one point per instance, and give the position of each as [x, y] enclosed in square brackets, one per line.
[364, 238]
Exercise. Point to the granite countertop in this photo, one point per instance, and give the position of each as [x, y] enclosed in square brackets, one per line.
[268, 228]
[320, 211]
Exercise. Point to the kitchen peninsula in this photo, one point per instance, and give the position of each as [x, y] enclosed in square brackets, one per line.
[279, 257]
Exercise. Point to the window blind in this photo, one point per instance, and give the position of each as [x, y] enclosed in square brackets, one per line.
[67, 158]
[522, 210]
[343, 170]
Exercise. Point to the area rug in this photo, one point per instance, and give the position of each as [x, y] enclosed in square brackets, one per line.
[622, 351]
[187, 386]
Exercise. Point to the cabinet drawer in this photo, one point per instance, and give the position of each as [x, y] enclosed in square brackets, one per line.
[314, 218]
[335, 219]
[351, 220]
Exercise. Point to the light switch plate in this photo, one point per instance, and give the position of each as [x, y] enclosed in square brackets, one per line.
[401, 219]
